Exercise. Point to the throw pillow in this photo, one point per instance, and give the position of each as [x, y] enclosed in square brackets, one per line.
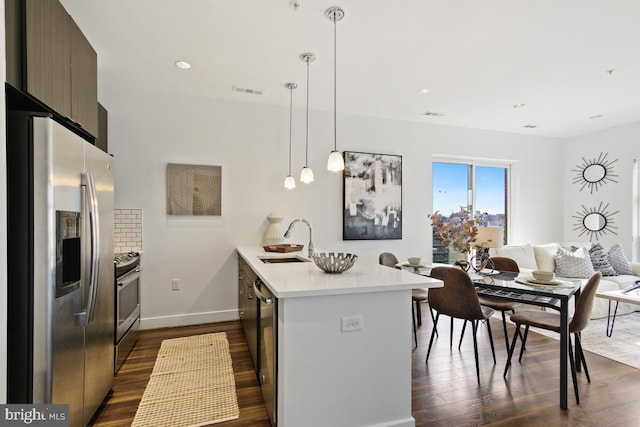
[619, 261]
[600, 260]
[574, 264]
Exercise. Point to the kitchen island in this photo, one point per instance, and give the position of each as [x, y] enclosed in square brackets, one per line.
[343, 341]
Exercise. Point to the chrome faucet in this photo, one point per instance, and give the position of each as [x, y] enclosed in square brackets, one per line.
[288, 232]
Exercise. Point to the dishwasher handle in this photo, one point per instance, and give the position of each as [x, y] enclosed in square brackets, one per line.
[262, 297]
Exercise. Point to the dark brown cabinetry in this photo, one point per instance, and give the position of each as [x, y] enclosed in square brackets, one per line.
[49, 58]
[102, 142]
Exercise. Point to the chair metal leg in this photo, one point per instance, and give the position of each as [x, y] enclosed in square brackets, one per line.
[433, 318]
[513, 346]
[474, 325]
[464, 326]
[415, 332]
[493, 350]
[580, 357]
[418, 313]
[451, 335]
[572, 362]
[504, 328]
[433, 334]
[524, 342]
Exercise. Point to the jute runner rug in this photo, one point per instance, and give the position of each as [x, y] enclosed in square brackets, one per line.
[192, 384]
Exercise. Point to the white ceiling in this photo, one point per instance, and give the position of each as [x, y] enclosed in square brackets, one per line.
[477, 57]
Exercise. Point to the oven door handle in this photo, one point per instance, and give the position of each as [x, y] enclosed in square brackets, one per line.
[129, 278]
[262, 297]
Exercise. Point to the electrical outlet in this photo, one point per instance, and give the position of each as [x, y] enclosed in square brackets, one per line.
[351, 323]
[175, 284]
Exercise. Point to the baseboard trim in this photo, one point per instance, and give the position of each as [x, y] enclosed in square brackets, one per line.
[188, 319]
[405, 422]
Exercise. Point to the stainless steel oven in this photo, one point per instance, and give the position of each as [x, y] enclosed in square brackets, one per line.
[127, 313]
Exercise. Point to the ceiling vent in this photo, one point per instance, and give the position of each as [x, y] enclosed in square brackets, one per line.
[249, 91]
[432, 114]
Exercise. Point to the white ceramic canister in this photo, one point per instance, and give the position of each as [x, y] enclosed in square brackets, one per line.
[273, 235]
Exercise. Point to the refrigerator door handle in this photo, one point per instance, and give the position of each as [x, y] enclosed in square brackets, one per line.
[94, 223]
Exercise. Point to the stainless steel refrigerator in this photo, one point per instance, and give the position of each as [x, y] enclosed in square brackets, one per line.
[60, 267]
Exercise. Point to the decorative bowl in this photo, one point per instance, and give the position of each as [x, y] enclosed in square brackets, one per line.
[334, 262]
[543, 276]
[414, 260]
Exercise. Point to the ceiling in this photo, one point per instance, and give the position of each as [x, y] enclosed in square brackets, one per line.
[478, 59]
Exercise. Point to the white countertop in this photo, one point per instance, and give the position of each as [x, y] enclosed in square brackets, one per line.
[303, 279]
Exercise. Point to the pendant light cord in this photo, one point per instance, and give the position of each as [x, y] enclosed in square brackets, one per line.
[335, 133]
[306, 155]
[290, 123]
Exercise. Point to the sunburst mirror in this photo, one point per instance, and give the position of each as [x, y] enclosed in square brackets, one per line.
[595, 222]
[594, 173]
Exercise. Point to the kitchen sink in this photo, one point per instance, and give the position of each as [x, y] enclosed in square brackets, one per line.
[281, 260]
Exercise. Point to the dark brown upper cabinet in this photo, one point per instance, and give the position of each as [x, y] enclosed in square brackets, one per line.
[49, 58]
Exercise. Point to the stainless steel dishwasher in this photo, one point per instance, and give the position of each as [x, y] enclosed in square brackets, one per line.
[268, 345]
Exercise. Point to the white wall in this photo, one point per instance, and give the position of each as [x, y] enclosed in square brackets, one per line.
[620, 144]
[3, 223]
[147, 130]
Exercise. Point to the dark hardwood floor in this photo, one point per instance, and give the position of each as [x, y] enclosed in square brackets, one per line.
[445, 391]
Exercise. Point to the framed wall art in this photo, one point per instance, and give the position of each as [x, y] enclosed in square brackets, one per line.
[194, 189]
[372, 207]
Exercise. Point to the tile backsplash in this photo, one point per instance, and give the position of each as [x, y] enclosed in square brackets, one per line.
[128, 230]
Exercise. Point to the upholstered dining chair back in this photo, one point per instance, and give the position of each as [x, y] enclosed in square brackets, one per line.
[585, 304]
[458, 297]
[388, 259]
[505, 264]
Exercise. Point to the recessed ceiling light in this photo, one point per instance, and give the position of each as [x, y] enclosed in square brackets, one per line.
[530, 126]
[432, 114]
[424, 90]
[522, 104]
[595, 116]
[183, 65]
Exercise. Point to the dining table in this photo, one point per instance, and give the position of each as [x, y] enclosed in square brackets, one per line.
[520, 287]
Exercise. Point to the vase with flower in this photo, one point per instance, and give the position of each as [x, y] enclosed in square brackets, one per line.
[458, 231]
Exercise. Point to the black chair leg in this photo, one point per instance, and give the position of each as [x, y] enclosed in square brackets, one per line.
[524, 342]
[433, 318]
[504, 328]
[415, 332]
[580, 357]
[418, 313]
[451, 335]
[433, 334]
[464, 327]
[513, 346]
[474, 326]
[493, 350]
[572, 362]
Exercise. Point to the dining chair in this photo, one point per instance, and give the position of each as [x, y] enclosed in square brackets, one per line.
[507, 265]
[551, 322]
[417, 295]
[458, 299]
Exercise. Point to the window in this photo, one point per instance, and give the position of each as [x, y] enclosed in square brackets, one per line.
[480, 188]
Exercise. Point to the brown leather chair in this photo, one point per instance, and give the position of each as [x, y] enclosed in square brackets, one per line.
[458, 299]
[417, 295]
[551, 322]
[508, 265]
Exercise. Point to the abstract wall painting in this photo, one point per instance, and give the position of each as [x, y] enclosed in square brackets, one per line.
[194, 189]
[372, 207]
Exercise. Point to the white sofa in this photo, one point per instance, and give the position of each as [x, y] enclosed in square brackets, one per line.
[542, 257]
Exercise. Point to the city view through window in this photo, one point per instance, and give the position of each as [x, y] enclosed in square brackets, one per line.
[480, 189]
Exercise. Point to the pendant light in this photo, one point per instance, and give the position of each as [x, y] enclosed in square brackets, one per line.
[335, 162]
[289, 181]
[306, 175]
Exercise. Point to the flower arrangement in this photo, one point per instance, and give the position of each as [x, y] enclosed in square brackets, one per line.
[459, 231]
